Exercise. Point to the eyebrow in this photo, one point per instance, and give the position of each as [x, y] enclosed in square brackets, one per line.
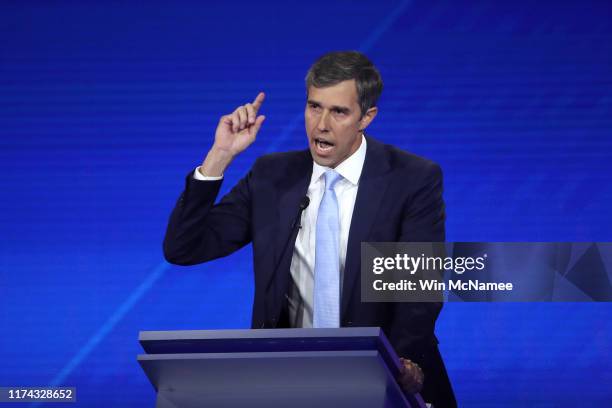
[338, 108]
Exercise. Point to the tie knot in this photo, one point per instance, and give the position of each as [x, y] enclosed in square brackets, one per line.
[331, 178]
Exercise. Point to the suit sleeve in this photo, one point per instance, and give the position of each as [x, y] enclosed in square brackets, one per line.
[424, 216]
[200, 230]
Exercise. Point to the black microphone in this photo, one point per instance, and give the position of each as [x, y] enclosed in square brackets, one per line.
[304, 202]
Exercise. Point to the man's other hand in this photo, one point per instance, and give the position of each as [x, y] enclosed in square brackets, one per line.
[411, 376]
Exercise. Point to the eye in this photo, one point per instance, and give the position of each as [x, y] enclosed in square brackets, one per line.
[337, 111]
[313, 106]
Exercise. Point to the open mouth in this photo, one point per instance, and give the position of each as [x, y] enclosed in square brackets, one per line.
[323, 145]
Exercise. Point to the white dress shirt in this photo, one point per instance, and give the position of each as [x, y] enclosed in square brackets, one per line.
[301, 294]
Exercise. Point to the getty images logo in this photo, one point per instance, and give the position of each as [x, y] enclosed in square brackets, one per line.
[412, 264]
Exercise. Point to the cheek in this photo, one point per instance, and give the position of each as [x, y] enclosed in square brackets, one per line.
[345, 133]
[310, 118]
[308, 122]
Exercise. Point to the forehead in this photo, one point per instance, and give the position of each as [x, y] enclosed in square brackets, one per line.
[342, 94]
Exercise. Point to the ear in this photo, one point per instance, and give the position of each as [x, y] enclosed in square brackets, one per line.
[367, 118]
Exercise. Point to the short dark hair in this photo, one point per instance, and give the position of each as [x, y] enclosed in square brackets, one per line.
[337, 66]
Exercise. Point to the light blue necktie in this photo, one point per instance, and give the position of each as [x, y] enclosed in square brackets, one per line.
[327, 260]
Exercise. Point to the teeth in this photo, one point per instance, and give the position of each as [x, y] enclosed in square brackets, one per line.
[323, 144]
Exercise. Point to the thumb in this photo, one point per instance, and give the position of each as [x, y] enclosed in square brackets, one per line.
[260, 119]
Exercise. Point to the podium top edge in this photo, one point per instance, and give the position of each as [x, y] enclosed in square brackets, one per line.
[344, 332]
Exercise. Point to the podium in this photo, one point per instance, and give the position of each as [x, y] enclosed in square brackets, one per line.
[345, 367]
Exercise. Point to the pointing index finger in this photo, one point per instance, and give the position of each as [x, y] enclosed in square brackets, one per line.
[259, 100]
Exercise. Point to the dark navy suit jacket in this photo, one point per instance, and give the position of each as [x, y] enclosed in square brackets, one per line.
[399, 199]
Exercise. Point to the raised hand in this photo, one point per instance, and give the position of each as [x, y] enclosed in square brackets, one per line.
[238, 130]
[235, 132]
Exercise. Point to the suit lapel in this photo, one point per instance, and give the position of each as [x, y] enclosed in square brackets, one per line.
[372, 187]
[292, 187]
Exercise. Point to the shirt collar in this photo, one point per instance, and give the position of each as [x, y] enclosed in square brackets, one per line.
[350, 168]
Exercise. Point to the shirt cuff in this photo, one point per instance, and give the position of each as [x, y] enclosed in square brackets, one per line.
[199, 176]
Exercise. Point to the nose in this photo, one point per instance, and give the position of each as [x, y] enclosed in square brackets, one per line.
[322, 123]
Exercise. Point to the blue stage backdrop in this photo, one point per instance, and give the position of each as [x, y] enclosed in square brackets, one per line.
[106, 106]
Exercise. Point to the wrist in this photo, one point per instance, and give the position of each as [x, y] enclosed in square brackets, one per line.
[215, 163]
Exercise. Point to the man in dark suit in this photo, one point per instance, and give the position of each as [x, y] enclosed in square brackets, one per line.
[307, 250]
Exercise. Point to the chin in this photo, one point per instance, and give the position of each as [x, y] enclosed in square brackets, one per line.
[323, 161]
